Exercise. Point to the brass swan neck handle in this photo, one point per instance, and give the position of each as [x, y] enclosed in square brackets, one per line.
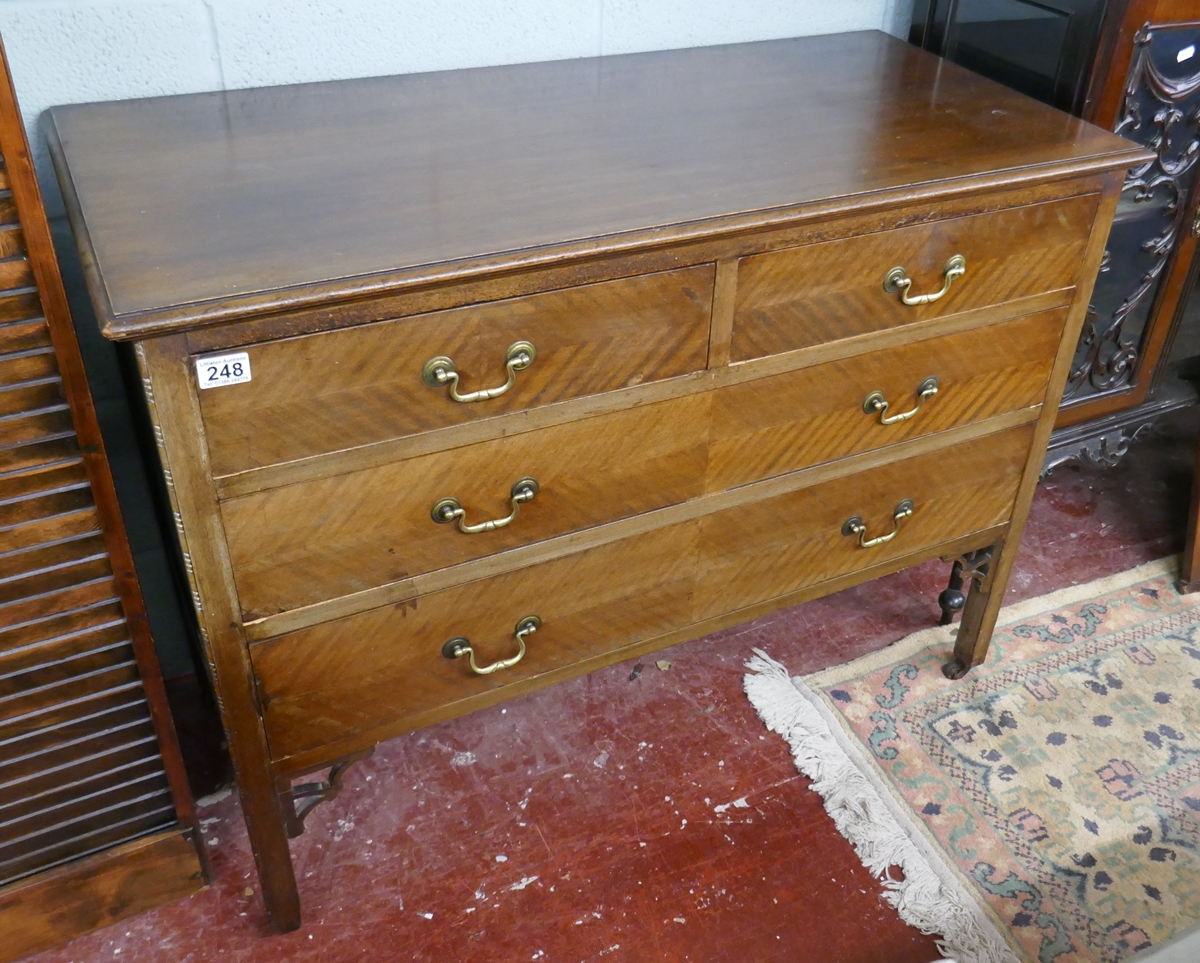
[460, 645]
[440, 371]
[898, 281]
[450, 509]
[876, 402]
[856, 526]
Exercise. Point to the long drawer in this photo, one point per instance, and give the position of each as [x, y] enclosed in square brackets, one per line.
[343, 389]
[302, 543]
[311, 541]
[360, 679]
[825, 292]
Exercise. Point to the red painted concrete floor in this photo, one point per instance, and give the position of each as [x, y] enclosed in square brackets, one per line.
[639, 813]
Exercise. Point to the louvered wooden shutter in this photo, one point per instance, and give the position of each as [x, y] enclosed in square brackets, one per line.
[92, 787]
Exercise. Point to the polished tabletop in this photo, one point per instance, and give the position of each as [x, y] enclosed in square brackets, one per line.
[211, 199]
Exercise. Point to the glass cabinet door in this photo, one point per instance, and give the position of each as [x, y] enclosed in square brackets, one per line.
[1042, 48]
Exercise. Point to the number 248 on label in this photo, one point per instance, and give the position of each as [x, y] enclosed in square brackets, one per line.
[223, 369]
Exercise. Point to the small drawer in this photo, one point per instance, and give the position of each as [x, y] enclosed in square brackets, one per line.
[370, 676]
[770, 548]
[342, 389]
[825, 292]
[812, 415]
[315, 540]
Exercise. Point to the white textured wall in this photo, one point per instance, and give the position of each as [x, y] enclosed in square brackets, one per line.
[72, 51]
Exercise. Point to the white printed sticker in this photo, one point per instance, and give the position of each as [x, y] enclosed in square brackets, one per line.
[218, 370]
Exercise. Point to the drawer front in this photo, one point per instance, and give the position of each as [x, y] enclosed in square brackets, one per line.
[311, 541]
[776, 546]
[356, 386]
[302, 543]
[383, 671]
[813, 415]
[833, 290]
[367, 677]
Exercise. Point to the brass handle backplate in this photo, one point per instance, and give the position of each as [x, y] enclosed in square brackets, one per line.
[450, 509]
[459, 646]
[897, 280]
[439, 372]
[876, 402]
[856, 526]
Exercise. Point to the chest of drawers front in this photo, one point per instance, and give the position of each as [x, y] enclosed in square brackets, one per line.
[382, 548]
[433, 494]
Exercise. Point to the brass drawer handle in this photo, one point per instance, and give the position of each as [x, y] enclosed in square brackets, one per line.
[450, 509]
[876, 402]
[440, 371]
[459, 646]
[856, 526]
[897, 279]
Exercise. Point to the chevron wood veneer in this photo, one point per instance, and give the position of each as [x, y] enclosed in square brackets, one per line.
[589, 340]
[302, 543]
[696, 244]
[822, 292]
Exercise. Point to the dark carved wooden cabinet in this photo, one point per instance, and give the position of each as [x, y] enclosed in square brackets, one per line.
[1146, 86]
[1131, 66]
[95, 814]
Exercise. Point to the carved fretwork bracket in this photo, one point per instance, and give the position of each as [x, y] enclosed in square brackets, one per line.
[297, 801]
[975, 567]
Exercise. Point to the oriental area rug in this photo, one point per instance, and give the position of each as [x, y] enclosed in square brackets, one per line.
[1046, 807]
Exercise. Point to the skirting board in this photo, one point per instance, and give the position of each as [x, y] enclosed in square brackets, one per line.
[58, 905]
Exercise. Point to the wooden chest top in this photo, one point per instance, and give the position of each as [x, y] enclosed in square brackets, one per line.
[206, 207]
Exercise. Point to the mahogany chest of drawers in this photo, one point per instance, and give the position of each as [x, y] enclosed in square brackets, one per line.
[467, 383]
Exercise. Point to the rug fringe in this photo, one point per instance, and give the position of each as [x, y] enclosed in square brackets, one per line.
[932, 901]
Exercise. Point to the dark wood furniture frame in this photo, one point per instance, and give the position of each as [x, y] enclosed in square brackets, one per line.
[95, 810]
[1123, 380]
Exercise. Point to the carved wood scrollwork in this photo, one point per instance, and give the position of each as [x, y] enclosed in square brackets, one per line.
[1162, 113]
[1105, 450]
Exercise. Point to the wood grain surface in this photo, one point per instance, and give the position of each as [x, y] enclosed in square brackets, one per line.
[338, 390]
[983, 607]
[170, 386]
[804, 417]
[824, 292]
[98, 891]
[780, 231]
[775, 546]
[410, 588]
[375, 670]
[304, 543]
[442, 175]
[300, 544]
[697, 240]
